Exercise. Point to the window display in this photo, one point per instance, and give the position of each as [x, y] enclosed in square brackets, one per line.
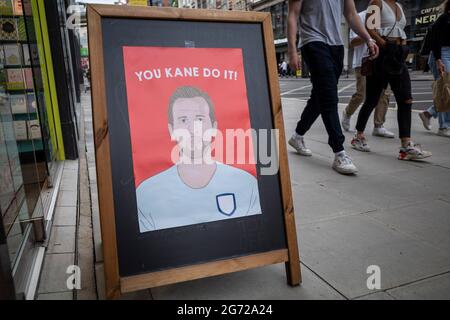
[23, 168]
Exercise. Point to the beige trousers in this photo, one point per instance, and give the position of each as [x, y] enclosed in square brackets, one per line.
[357, 99]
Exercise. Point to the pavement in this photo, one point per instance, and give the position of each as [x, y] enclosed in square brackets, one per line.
[393, 214]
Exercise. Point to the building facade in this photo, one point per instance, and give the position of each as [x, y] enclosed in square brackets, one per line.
[39, 92]
[420, 14]
[214, 4]
[279, 11]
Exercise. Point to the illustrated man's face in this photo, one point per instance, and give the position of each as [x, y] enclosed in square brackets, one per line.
[193, 115]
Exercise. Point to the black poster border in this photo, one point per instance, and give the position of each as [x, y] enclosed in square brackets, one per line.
[200, 243]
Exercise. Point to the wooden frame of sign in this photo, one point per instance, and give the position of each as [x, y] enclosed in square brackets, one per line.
[115, 284]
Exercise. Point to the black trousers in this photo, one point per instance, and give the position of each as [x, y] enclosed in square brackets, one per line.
[325, 64]
[400, 86]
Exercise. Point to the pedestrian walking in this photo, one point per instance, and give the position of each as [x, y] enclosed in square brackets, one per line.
[323, 50]
[390, 68]
[439, 62]
[284, 68]
[360, 50]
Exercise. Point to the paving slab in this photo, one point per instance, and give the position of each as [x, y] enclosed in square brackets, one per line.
[69, 184]
[341, 250]
[68, 295]
[54, 276]
[434, 177]
[62, 240]
[314, 202]
[428, 222]
[385, 191]
[436, 288]
[377, 296]
[70, 175]
[92, 174]
[304, 170]
[67, 198]
[445, 164]
[256, 284]
[65, 216]
[71, 165]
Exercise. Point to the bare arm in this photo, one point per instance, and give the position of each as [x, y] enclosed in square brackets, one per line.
[356, 25]
[295, 6]
[356, 42]
[370, 17]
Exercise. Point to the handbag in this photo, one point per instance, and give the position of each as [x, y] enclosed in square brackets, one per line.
[441, 93]
[367, 67]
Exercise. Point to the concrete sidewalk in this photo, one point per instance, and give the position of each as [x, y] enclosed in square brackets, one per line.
[393, 214]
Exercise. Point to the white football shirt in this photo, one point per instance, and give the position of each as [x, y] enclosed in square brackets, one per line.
[165, 201]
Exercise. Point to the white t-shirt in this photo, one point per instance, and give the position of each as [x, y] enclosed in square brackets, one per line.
[360, 51]
[165, 201]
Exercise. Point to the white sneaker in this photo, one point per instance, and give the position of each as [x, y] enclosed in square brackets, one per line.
[360, 144]
[413, 152]
[344, 164]
[298, 143]
[345, 121]
[425, 120]
[444, 132]
[382, 132]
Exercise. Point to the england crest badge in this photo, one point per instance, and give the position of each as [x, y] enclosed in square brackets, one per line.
[226, 203]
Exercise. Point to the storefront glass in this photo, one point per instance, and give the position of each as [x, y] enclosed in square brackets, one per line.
[26, 148]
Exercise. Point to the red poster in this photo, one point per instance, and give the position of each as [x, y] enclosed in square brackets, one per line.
[182, 103]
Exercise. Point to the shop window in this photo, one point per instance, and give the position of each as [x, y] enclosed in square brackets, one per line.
[23, 153]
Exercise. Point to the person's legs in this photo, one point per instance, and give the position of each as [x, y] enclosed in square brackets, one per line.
[379, 117]
[375, 85]
[443, 118]
[444, 124]
[401, 86]
[426, 116]
[431, 112]
[325, 64]
[446, 120]
[322, 65]
[355, 101]
[309, 114]
[308, 117]
[358, 96]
